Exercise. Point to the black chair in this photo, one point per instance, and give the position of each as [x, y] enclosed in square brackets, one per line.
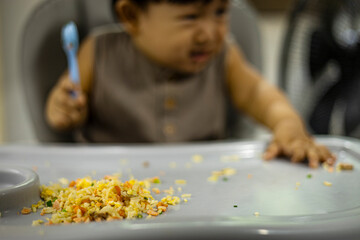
[319, 68]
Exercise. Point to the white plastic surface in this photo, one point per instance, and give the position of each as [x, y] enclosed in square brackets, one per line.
[290, 205]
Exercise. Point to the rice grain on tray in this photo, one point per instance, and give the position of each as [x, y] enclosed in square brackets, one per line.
[86, 200]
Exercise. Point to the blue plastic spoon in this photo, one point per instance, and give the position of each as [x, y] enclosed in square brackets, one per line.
[70, 41]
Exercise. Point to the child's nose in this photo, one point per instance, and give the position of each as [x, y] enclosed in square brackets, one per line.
[205, 33]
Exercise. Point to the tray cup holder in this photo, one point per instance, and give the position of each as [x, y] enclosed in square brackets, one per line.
[19, 187]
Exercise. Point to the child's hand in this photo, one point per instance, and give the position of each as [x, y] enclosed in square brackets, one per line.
[67, 106]
[292, 141]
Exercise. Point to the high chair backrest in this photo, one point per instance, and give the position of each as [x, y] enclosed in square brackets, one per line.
[43, 59]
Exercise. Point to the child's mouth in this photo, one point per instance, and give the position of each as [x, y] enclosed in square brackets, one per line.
[200, 56]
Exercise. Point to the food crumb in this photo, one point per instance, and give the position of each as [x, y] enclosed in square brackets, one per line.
[146, 164]
[197, 158]
[155, 180]
[169, 191]
[229, 171]
[155, 190]
[309, 175]
[328, 184]
[249, 176]
[64, 181]
[180, 182]
[25, 211]
[256, 214]
[186, 195]
[213, 178]
[37, 222]
[235, 206]
[328, 167]
[171, 200]
[223, 173]
[344, 166]
[230, 158]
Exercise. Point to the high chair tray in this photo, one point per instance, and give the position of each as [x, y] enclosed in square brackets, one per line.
[262, 200]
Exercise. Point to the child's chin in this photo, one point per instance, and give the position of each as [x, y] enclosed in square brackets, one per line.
[191, 69]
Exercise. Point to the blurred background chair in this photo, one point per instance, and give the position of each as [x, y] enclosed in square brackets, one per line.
[43, 59]
[319, 68]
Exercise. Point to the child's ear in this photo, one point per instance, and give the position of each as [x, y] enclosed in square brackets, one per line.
[128, 13]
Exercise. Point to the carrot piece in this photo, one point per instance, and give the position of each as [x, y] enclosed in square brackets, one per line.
[72, 183]
[122, 213]
[85, 201]
[25, 211]
[118, 190]
[152, 213]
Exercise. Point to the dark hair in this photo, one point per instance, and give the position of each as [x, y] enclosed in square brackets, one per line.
[144, 3]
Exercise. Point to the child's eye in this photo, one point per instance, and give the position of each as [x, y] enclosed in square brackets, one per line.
[220, 12]
[190, 17]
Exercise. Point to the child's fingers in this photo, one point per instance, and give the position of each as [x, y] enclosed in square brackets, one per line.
[313, 157]
[288, 148]
[326, 155]
[65, 119]
[67, 86]
[272, 151]
[68, 102]
[298, 155]
[331, 160]
[296, 150]
[65, 101]
[59, 118]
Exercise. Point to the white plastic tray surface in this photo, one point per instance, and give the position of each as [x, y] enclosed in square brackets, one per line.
[290, 205]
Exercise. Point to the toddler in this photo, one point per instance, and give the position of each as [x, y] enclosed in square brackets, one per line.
[167, 77]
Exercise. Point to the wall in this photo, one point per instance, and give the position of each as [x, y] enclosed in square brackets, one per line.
[272, 5]
[272, 27]
[13, 15]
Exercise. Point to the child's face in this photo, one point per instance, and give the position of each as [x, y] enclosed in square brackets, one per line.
[182, 37]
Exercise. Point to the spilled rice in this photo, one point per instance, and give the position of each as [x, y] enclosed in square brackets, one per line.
[86, 200]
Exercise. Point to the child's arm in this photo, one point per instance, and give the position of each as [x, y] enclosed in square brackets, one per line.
[268, 105]
[64, 110]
